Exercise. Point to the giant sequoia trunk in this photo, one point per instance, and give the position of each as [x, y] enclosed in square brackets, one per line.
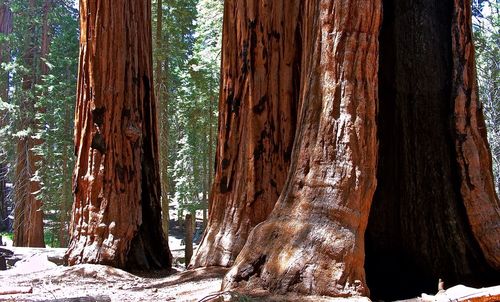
[435, 213]
[313, 241]
[116, 213]
[257, 105]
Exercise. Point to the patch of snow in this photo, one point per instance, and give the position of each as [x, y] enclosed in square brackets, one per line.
[32, 264]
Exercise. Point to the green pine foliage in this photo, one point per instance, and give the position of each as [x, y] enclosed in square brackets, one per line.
[191, 55]
[44, 108]
[487, 40]
[57, 95]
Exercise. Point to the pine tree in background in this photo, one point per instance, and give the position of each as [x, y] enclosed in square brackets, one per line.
[187, 66]
[206, 78]
[57, 92]
[38, 117]
[28, 214]
[5, 31]
[487, 39]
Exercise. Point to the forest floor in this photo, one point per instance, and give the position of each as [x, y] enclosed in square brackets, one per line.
[39, 276]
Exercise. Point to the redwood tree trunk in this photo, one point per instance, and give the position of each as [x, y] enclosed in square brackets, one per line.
[116, 217]
[435, 213]
[257, 105]
[313, 242]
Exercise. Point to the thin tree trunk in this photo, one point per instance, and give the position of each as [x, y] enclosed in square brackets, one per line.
[116, 216]
[257, 105]
[188, 235]
[211, 167]
[313, 242]
[28, 214]
[5, 29]
[163, 119]
[36, 231]
[66, 186]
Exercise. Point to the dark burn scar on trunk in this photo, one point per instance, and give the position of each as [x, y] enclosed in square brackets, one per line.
[225, 163]
[223, 186]
[120, 172]
[259, 108]
[98, 143]
[254, 268]
[98, 116]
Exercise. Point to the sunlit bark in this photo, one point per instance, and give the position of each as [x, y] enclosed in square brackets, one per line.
[257, 105]
[116, 216]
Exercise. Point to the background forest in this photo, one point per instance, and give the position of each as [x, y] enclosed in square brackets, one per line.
[38, 54]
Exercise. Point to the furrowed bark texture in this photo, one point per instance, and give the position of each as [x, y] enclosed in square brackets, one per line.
[477, 186]
[313, 242]
[259, 94]
[116, 213]
[435, 213]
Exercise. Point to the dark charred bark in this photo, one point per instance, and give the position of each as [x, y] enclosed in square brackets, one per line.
[117, 211]
[257, 105]
[434, 174]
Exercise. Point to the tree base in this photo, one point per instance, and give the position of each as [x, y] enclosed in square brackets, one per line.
[298, 256]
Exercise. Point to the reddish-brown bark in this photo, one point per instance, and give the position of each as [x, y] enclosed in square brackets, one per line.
[116, 216]
[473, 153]
[257, 105]
[313, 242]
[435, 211]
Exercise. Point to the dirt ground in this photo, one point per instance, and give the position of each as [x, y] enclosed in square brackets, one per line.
[47, 281]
